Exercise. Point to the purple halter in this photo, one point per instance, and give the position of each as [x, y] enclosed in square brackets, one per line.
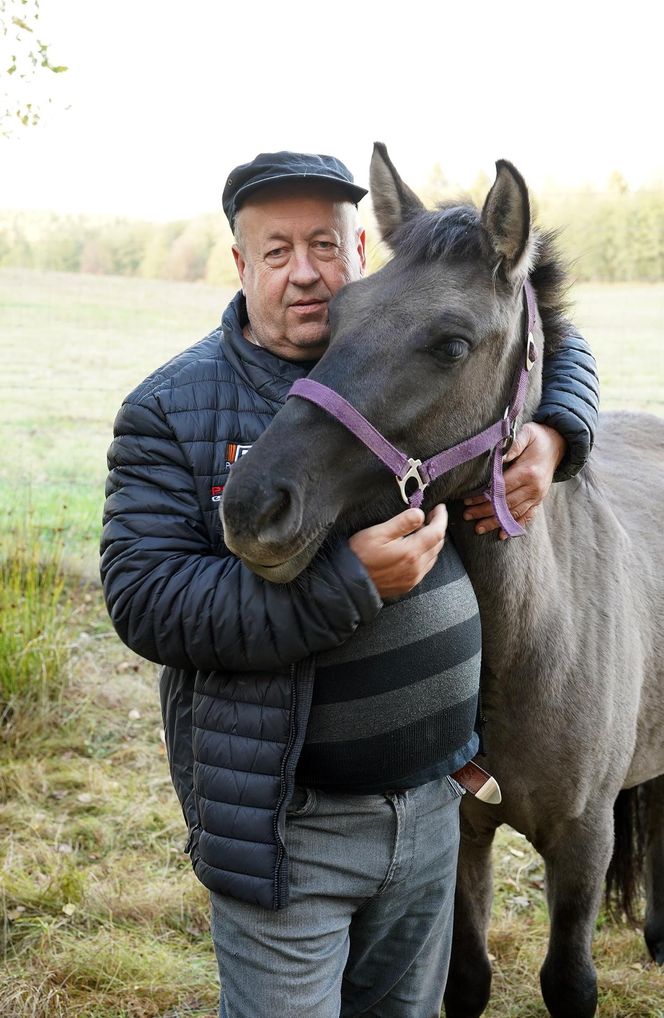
[497, 438]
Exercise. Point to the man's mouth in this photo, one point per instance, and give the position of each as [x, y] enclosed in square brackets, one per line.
[308, 307]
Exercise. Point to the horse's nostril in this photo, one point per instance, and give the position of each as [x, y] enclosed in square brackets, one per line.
[280, 516]
[274, 507]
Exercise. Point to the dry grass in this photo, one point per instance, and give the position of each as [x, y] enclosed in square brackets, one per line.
[630, 984]
[101, 914]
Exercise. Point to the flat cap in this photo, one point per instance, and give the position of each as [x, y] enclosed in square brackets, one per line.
[272, 167]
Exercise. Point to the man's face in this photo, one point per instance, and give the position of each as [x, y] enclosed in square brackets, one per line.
[294, 251]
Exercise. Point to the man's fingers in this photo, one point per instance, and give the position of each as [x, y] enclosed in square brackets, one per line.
[529, 469]
[524, 521]
[486, 526]
[476, 499]
[427, 562]
[432, 536]
[522, 513]
[438, 515]
[478, 512]
[521, 499]
[522, 440]
[427, 567]
[516, 497]
[398, 553]
[525, 473]
[405, 523]
[485, 511]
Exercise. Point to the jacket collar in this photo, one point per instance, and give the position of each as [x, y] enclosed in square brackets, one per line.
[270, 376]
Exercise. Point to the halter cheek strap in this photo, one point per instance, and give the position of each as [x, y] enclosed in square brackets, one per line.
[497, 438]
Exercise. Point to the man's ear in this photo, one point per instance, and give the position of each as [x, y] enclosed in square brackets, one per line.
[392, 199]
[240, 263]
[361, 249]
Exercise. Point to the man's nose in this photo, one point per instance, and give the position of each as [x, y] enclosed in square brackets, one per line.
[303, 269]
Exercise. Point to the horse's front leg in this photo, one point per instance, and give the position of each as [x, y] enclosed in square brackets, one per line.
[576, 865]
[651, 795]
[469, 979]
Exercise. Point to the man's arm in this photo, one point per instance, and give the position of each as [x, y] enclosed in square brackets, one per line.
[570, 402]
[176, 602]
[557, 443]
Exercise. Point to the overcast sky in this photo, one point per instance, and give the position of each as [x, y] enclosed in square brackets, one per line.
[166, 97]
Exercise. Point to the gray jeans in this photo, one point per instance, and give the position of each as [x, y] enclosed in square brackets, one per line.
[369, 926]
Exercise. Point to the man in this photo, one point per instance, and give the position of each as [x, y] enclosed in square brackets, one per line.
[331, 873]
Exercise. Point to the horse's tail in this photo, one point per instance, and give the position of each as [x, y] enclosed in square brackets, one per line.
[625, 872]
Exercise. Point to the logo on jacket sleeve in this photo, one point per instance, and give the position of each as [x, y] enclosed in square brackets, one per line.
[233, 453]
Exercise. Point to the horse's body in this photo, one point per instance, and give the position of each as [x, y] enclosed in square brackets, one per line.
[572, 615]
[573, 653]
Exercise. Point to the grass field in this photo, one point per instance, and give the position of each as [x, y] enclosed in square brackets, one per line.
[73, 346]
[101, 915]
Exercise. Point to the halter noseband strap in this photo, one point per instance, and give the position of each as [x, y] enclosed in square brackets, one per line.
[497, 437]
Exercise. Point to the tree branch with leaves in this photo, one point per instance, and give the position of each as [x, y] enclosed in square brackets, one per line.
[24, 62]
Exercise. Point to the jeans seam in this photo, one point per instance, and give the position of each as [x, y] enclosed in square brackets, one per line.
[397, 805]
[413, 843]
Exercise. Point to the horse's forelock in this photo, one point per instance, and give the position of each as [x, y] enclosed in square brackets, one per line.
[450, 231]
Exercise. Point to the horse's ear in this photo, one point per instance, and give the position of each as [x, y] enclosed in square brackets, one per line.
[393, 201]
[506, 217]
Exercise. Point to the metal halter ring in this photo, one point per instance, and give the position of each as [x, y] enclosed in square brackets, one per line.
[531, 352]
[508, 440]
[413, 473]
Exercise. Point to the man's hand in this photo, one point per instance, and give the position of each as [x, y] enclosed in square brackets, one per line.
[399, 553]
[537, 450]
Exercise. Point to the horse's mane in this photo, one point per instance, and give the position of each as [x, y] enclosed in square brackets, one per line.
[448, 231]
[551, 279]
[455, 231]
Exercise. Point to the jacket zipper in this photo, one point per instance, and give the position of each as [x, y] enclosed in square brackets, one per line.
[281, 848]
[190, 839]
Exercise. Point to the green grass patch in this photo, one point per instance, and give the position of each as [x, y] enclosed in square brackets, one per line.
[75, 345]
[623, 323]
[33, 636]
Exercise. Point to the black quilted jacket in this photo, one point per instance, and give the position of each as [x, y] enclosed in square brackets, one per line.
[237, 651]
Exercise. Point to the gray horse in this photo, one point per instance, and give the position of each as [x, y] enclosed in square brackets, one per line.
[572, 615]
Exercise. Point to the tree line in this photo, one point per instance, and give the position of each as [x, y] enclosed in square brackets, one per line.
[611, 235]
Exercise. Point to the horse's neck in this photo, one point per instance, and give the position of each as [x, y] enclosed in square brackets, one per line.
[517, 584]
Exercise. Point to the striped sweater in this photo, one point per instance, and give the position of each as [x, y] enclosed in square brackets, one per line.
[395, 706]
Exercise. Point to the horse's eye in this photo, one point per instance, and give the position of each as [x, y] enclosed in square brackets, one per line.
[455, 348]
[452, 350]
